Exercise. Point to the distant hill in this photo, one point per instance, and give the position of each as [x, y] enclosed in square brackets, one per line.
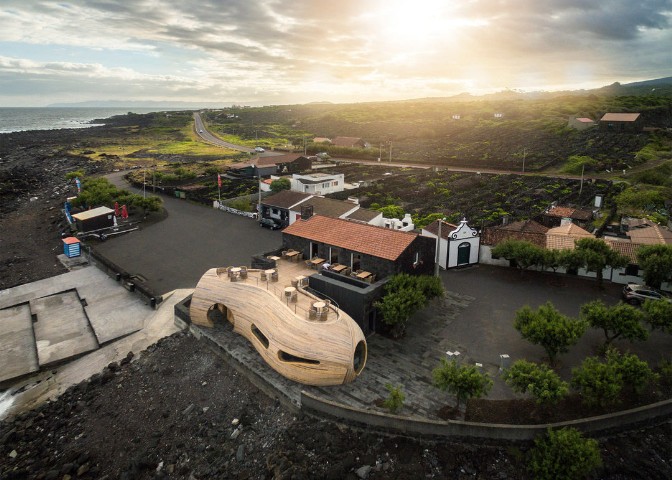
[163, 105]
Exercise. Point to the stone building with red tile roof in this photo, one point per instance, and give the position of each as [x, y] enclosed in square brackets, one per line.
[622, 122]
[359, 246]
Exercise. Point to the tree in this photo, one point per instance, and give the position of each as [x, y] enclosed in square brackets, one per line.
[147, 204]
[404, 295]
[280, 184]
[656, 261]
[392, 211]
[464, 382]
[596, 255]
[658, 314]
[538, 380]
[524, 254]
[601, 382]
[550, 329]
[618, 321]
[398, 306]
[395, 401]
[563, 455]
[636, 373]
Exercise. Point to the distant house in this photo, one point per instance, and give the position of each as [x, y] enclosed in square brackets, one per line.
[581, 123]
[622, 122]
[321, 140]
[460, 244]
[318, 183]
[557, 215]
[349, 142]
[278, 164]
[287, 207]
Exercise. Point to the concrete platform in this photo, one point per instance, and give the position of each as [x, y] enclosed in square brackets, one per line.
[62, 317]
[61, 329]
[18, 355]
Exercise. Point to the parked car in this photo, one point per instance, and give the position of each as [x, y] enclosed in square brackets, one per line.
[268, 223]
[259, 149]
[637, 294]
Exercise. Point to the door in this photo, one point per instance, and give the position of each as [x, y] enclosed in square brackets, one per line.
[463, 253]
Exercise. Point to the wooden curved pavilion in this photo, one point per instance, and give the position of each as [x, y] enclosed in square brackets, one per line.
[302, 337]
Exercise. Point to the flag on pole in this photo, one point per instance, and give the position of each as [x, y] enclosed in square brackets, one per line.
[219, 180]
[79, 184]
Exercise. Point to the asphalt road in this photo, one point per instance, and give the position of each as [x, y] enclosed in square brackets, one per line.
[175, 252]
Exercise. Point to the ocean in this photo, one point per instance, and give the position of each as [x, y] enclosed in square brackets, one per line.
[50, 118]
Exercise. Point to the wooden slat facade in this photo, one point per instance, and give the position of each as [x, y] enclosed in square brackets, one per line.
[321, 351]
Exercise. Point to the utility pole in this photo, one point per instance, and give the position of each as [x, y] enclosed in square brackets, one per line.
[380, 151]
[259, 203]
[144, 182]
[524, 155]
[581, 188]
[390, 151]
[438, 251]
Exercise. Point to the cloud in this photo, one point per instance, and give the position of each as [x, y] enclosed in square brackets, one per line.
[267, 48]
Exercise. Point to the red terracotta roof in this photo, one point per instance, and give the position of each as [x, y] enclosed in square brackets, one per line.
[620, 117]
[524, 226]
[357, 237]
[650, 234]
[628, 249]
[569, 212]
[564, 236]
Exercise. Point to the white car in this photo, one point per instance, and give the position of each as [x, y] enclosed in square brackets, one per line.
[200, 131]
[259, 149]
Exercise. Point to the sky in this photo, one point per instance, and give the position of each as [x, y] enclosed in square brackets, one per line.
[261, 52]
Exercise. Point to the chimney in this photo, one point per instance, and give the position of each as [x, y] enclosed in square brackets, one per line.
[306, 212]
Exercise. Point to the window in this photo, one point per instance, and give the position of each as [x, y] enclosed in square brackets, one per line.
[632, 270]
[289, 358]
[260, 336]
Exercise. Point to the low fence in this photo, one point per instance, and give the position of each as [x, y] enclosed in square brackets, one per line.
[234, 211]
[131, 282]
[482, 432]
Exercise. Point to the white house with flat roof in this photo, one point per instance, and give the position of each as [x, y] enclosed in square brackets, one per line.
[318, 183]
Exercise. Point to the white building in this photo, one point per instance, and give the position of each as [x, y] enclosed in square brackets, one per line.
[459, 244]
[318, 183]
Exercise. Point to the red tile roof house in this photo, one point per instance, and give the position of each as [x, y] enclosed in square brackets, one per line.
[581, 123]
[639, 232]
[622, 122]
[381, 251]
[556, 215]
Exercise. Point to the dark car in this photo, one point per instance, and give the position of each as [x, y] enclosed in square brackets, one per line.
[268, 223]
[636, 294]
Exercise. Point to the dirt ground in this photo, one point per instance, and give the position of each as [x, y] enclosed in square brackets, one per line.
[177, 411]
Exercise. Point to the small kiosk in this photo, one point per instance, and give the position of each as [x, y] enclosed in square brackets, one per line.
[71, 247]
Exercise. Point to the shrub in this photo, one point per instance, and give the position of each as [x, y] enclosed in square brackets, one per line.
[464, 382]
[538, 380]
[395, 400]
[563, 454]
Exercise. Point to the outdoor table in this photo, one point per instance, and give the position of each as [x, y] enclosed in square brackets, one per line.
[293, 255]
[338, 268]
[317, 261]
[363, 275]
[274, 258]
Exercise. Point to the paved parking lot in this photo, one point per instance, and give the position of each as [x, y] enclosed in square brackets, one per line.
[177, 251]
